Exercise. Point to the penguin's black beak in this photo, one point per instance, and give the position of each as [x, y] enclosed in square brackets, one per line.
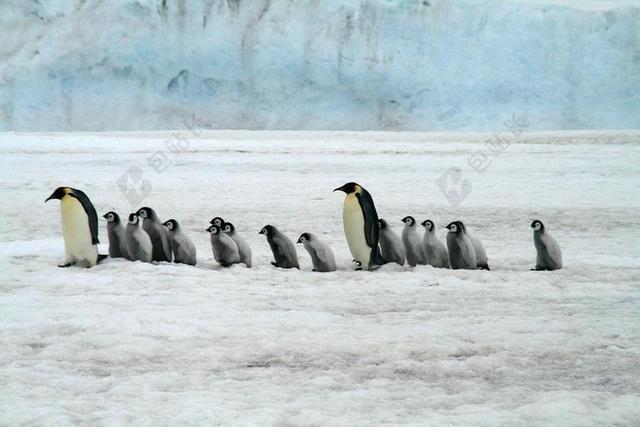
[58, 194]
[104, 216]
[299, 240]
[340, 189]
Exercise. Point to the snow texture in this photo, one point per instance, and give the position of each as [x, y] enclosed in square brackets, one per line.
[339, 64]
[131, 343]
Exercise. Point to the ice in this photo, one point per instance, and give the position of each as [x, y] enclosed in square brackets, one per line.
[133, 343]
[344, 64]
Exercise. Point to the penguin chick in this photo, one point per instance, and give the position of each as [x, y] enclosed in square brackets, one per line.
[391, 245]
[461, 252]
[138, 241]
[435, 252]
[158, 234]
[225, 250]
[184, 251]
[322, 256]
[284, 252]
[549, 256]
[117, 236]
[482, 261]
[411, 241]
[243, 247]
[217, 221]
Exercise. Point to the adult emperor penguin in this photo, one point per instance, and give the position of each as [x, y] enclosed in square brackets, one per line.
[117, 236]
[435, 252]
[225, 250]
[412, 242]
[322, 256]
[138, 241]
[360, 221]
[482, 261]
[391, 245]
[461, 252]
[184, 251]
[79, 227]
[243, 247]
[158, 233]
[549, 256]
[284, 251]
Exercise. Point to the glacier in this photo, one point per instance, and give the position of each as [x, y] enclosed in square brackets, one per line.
[428, 65]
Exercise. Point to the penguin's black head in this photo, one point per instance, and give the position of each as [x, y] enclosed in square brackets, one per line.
[268, 230]
[409, 220]
[171, 224]
[228, 227]
[147, 212]
[213, 229]
[382, 224]
[217, 221]
[428, 224]
[113, 217]
[454, 227]
[60, 193]
[349, 187]
[303, 237]
[537, 225]
[133, 218]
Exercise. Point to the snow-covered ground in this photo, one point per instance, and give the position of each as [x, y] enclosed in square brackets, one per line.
[126, 343]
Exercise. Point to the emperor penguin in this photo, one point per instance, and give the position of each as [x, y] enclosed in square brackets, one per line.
[360, 221]
[158, 233]
[549, 256]
[322, 256]
[79, 227]
[217, 221]
[243, 247]
[138, 241]
[412, 242]
[284, 251]
[184, 251]
[461, 252]
[435, 252]
[117, 236]
[482, 262]
[225, 250]
[391, 245]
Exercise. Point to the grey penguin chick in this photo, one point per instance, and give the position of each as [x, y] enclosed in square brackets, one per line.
[284, 251]
[461, 252]
[243, 247]
[549, 256]
[482, 261]
[138, 241]
[225, 250]
[158, 234]
[391, 245]
[435, 252]
[184, 251]
[412, 242]
[117, 236]
[322, 256]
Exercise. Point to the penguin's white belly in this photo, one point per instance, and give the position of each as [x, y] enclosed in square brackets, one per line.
[78, 244]
[354, 230]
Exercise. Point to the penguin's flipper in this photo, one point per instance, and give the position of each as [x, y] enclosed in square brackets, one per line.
[376, 257]
[92, 216]
[371, 230]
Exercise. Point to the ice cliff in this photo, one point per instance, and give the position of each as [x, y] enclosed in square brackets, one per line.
[318, 64]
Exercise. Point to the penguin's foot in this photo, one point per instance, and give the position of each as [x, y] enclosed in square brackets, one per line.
[69, 264]
[274, 264]
[358, 263]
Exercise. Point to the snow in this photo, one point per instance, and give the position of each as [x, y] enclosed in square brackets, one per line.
[346, 64]
[133, 343]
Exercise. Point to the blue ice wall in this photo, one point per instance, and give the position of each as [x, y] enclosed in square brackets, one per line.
[318, 64]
